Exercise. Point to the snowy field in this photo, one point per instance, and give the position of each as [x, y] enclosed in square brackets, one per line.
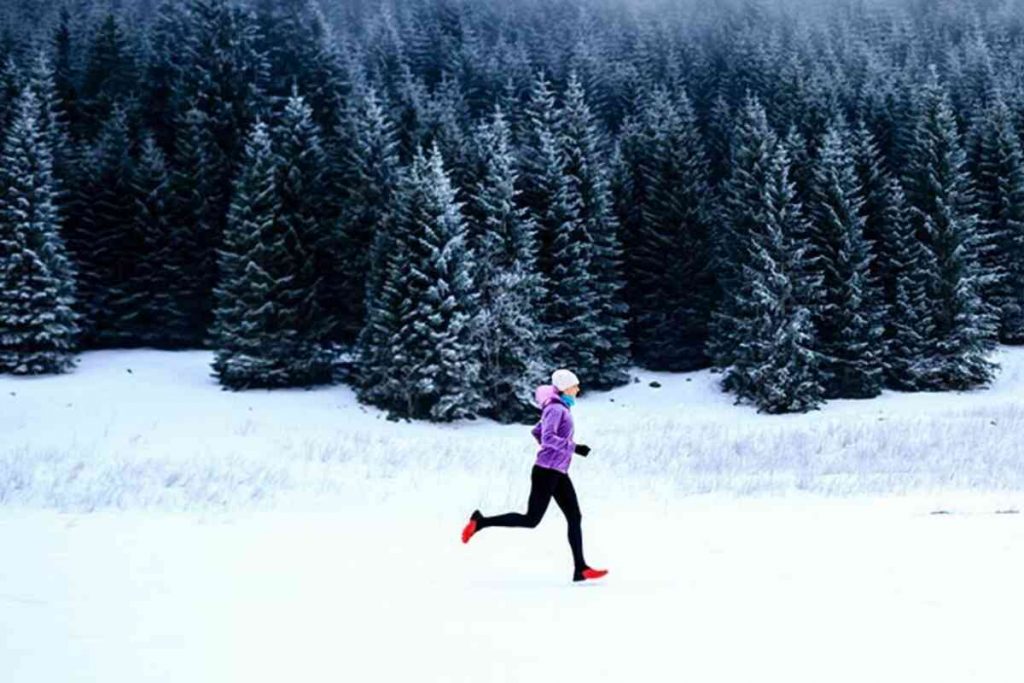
[156, 528]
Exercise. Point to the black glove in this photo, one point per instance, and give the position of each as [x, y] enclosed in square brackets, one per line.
[582, 450]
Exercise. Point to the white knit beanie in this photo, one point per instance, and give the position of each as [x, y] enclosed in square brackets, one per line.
[563, 379]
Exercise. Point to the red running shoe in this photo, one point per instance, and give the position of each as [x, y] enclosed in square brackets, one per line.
[588, 574]
[470, 528]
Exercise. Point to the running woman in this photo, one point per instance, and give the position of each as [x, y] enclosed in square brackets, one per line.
[549, 478]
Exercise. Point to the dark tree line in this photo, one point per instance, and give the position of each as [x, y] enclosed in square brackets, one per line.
[820, 202]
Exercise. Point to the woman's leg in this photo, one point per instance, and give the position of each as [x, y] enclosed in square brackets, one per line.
[542, 485]
[565, 497]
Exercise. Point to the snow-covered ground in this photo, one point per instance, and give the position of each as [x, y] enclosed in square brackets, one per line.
[739, 590]
[131, 429]
[153, 527]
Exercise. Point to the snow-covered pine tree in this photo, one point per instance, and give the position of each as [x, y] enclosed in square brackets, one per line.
[671, 271]
[296, 43]
[566, 254]
[999, 179]
[64, 69]
[110, 253]
[164, 70]
[741, 204]
[52, 119]
[848, 319]
[366, 171]
[774, 363]
[446, 117]
[266, 328]
[540, 158]
[801, 164]
[900, 264]
[10, 86]
[418, 357]
[718, 135]
[502, 239]
[194, 235]
[377, 375]
[38, 328]
[53, 124]
[253, 333]
[143, 284]
[241, 316]
[110, 77]
[301, 189]
[628, 187]
[585, 164]
[223, 78]
[762, 333]
[944, 214]
[153, 283]
[895, 127]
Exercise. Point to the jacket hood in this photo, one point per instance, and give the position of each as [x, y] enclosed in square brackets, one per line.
[545, 394]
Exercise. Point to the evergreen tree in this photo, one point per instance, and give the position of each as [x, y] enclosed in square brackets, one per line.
[37, 285]
[164, 69]
[566, 254]
[194, 231]
[541, 160]
[52, 118]
[446, 117]
[671, 272]
[10, 86]
[502, 239]
[999, 173]
[110, 77]
[775, 366]
[153, 286]
[742, 204]
[301, 191]
[718, 134]
[629, 186]
[801, 164]
[53, 123]
[108, 250]
[419, 360]
[848, 321]
[943, 212]
[266, 329]
[365, 177]
[223, 79]
[294, 37]
[900, 265]
[64, 74]
[763, 334]
[585, 166]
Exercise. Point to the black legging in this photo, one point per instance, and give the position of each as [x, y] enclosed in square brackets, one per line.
[546, 484]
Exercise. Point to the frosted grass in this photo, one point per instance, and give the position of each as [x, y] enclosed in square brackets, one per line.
[968, 450]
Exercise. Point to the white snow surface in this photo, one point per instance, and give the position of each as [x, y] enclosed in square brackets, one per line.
[151, 429]
[155, 528]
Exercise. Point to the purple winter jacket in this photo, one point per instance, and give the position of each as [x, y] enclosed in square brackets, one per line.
[554, 431]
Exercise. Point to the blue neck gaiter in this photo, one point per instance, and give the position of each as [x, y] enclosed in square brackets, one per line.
[567, 400]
